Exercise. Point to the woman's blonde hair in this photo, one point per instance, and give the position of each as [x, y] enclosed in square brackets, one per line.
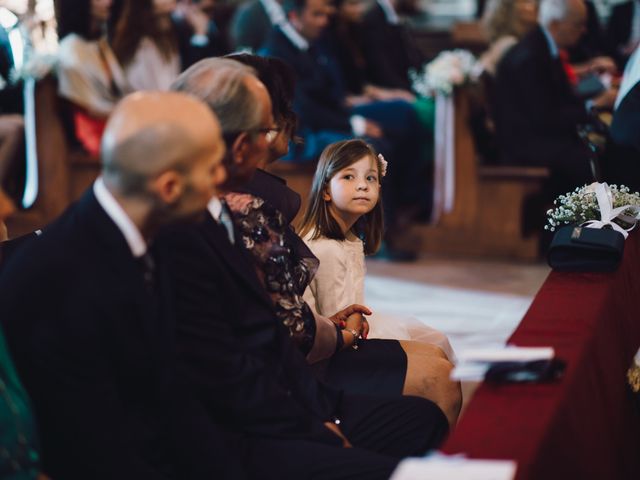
[318, 219]
[500, 19]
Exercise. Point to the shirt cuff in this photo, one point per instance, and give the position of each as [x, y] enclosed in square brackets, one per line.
[199, 40]
[358, 125]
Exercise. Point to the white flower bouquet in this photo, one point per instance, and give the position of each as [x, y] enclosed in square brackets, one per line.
[449, 69]
[583, 206]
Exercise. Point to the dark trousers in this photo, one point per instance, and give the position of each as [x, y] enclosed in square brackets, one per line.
[381, 430]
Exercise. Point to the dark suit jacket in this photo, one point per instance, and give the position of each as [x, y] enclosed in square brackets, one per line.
[534, 107]
[249, 373]
[619, 31]
[319, 94]
[95, 350]
[250, 26]
[389, 51]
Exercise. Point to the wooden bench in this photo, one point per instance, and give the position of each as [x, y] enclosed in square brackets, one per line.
[488, 216]
[63, 173]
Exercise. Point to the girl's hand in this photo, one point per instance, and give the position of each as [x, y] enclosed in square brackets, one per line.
[340, 318]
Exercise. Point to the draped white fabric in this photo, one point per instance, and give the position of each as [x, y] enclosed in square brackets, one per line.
[444, 168]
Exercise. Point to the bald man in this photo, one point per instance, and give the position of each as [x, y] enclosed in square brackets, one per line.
[84, 305]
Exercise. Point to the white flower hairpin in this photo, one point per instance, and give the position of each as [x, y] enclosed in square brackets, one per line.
[383, 165]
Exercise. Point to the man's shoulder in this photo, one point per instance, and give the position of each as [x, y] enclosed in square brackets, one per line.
[531, 49]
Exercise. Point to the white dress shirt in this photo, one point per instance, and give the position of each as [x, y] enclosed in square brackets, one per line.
[115, 212]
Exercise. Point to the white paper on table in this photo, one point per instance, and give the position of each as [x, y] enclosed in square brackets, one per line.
[443, 467]
[506, 354]
[469, 372]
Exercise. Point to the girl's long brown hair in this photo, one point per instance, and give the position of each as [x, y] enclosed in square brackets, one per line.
[136, 21]
[318, 219]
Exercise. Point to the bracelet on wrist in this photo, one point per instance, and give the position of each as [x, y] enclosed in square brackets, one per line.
[356, 337]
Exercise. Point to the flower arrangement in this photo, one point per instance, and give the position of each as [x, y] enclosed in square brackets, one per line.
[583, 206]
[449, 69]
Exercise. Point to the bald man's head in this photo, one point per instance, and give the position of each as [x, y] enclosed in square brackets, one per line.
[163, 151]
[149, 133]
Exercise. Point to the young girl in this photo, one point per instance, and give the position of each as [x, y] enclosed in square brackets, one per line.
[343, 223]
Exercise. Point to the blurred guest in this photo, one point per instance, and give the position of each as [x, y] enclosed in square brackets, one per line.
[252, 22]
[505, 23]
[86, 67]
[623, 31]
[389, 47]
[155, 40]
[111, 48]
[346, 37]
[535, 108]
[85, 313]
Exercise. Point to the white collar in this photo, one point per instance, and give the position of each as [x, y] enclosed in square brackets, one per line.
[275, 12]
[294, 36]
[115, 212]
[631, 76]
[553, 47]
[389, 12]
[215, 208]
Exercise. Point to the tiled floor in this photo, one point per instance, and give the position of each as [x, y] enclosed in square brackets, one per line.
[476, 303]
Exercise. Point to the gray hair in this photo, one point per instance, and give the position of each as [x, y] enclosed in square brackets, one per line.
[552, 10]
[221, 84]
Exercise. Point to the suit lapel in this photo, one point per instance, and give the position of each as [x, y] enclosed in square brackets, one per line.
[236, 261]
[114, 249]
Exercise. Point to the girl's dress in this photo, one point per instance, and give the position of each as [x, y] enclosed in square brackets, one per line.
[285, 265]
[339, 282]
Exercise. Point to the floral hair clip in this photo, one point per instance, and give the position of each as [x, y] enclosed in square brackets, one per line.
[383, 165]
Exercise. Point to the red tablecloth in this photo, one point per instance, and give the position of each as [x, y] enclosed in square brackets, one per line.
[585, 426]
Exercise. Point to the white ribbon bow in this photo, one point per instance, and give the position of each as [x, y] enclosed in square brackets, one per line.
[607, 212]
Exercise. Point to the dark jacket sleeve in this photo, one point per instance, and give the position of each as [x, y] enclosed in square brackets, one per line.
[315, 103]
[79, 411]
[243, 386]
[191, 52]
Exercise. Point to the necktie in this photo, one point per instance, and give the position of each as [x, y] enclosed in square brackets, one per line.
[225, 219]
[148, 267]
[568, 69]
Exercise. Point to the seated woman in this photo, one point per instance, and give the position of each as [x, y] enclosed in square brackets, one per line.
[287, 266]
[111, 48]
[505, 23]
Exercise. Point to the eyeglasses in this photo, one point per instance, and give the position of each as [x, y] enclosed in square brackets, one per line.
[270, 134]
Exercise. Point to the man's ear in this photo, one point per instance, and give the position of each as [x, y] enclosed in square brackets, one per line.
[240, 148]
[168, 186]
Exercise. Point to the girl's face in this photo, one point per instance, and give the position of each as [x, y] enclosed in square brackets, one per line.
[100, 10]
[353, 191]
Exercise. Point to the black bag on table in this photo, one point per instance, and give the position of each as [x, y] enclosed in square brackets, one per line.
[582, 249]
